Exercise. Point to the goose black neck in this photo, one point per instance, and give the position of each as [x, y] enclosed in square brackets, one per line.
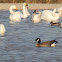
[39, 41]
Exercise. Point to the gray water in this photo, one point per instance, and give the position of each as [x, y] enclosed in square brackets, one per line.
[18, 44]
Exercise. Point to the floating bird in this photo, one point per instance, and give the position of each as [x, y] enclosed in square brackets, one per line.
[55, 24]
[15, 16]
[45, 44]
[49, 15]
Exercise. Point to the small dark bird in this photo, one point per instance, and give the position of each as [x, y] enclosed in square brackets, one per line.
[55, 24]
[45, 44]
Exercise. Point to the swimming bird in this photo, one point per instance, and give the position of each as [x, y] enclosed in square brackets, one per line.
[15, 16]
[25, 11]
[49, 15]
[45, 44]
[2, 30]
[55, 24]
[36, 16]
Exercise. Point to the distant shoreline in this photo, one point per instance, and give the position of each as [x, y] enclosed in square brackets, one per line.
[32, 6]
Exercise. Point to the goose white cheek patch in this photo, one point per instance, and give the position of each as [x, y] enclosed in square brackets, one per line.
[53, 44]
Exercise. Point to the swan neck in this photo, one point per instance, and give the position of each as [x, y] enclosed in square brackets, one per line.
[11, 10]
[54, 12]
[60, 9]
[24, 9]
[60, 12]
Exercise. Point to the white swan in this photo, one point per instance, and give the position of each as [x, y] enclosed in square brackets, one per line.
[49, 15]
[2, 29]
[36, 16]
[25, 11]
[15, 16]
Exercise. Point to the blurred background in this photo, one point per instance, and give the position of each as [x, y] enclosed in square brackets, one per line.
[31, 1]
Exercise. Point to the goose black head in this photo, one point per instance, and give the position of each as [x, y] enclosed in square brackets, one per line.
[38, 40]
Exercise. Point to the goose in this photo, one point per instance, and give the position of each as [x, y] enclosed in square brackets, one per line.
[45, 44]
[2, 30]
[36, 16]
[25, 11]
[15, 16]
[49, 15]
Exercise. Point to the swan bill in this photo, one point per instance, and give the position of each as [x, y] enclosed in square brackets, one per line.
[26, 4]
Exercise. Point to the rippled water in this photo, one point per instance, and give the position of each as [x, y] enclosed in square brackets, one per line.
[18, 44]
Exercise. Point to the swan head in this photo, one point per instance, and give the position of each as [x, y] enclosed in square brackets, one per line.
[25, 4]
[13, 7]
[35, 11]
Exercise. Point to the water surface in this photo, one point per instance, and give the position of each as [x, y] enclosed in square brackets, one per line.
[18, 44]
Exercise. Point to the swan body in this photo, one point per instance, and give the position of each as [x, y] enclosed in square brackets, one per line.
[49, 15]
[14, 16]
[25, 11]
[2, 29]
[36, 16]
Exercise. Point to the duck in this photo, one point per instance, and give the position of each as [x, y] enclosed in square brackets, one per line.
[2, 30]
[55, 24]
[51, 43]
[15, 16]
[36, 16]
